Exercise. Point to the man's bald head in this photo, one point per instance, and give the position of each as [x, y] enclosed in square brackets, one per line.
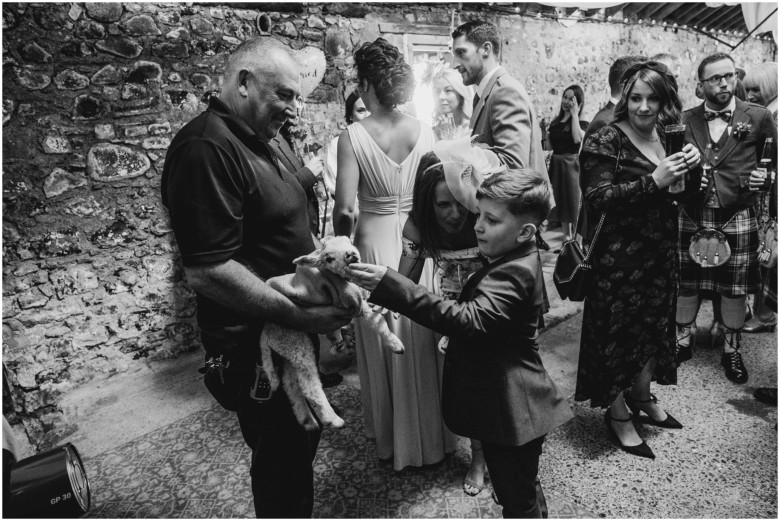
[262, 85]
[261, 56]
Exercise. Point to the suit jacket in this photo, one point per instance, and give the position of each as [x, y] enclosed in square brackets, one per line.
[293, 164]
[732, 157]
[505, 120]
[495, 387]
[602, 118]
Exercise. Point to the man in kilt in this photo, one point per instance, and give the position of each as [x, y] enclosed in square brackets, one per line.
[730, 133]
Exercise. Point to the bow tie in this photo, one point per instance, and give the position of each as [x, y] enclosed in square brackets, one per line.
[725, 115]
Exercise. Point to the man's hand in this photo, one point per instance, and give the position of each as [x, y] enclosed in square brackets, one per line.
[319, 319]
[315, 165]
[757, 179]
[367, 276]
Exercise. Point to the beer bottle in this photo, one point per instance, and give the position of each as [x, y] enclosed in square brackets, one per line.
[765, 165]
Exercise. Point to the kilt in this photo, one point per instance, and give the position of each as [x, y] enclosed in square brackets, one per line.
[740, 275]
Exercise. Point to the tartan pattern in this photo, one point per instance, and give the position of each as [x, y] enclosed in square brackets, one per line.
[740, 275]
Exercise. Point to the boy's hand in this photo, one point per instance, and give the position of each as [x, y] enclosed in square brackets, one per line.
[367, 276]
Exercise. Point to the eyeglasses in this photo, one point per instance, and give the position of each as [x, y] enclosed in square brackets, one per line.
[714, 81]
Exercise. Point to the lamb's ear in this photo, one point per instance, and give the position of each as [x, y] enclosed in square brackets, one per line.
[311, 260]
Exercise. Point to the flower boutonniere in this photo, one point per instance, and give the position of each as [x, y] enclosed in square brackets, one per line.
[741, 130]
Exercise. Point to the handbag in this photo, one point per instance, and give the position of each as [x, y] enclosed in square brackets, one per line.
[571, 273]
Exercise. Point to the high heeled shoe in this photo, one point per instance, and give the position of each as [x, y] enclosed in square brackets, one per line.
[641, 450]
[668, 423]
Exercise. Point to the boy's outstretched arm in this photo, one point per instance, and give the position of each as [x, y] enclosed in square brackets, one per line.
[498, 300]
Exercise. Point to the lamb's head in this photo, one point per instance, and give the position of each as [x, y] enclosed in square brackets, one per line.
[336, 254]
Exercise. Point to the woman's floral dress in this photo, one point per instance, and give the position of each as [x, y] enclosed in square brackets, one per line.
[630, 307]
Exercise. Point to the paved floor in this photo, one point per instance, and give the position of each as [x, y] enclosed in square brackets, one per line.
[156, 445]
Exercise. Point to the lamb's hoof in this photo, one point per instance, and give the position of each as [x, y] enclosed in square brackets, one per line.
[335, 423]
[396, 347]
[310, 424]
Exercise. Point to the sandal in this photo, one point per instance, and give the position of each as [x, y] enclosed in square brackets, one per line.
[669, 422]
[471, 487]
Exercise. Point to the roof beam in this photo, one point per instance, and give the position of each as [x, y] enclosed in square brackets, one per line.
[632, 9]
[728, 13]
[666, 11]
[690, 15]
[736, 22]
[614, 9]
[649, 9]
[708, 18]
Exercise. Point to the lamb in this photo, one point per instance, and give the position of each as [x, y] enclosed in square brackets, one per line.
[320, 278]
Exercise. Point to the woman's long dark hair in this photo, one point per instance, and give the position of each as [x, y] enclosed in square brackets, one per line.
[664, 87]
[351, 100]
[579, 94]
[423, 213]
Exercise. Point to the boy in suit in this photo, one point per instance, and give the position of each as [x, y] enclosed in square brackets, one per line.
[495, 387]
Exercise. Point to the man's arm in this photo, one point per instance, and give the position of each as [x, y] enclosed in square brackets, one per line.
[234, 286]
[510, 122]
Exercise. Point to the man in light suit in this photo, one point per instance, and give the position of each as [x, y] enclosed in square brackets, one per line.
[504, 119]
[731, 134]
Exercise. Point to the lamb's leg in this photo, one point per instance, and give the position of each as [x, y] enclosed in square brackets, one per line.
[297, 399]
[378, 324]
[296, 347]
[268, 338]
[336, 341]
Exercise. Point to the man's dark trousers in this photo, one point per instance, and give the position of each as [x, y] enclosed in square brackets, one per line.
[513, 472]
[282, 456]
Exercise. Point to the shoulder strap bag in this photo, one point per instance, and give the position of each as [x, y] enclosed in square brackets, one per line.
[571, 274]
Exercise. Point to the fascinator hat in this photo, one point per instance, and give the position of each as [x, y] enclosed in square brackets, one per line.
[465, 166]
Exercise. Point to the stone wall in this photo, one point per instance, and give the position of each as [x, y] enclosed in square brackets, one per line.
[93, 93]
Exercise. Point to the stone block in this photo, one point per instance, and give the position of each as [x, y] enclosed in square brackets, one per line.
[314, 36]
[179, 34]
[104, 11]
[34, 53]
[201, 26]
[315, 22]
[171, 51]
[135, 131]
[105, 131]
[84, 207]
[169, 17]
[144, 72]
[32, 298]
[71, 80]
[120, 46]
[338, 42]
[141, 25]
[347, 10]
[132, 91]
[239, 29]
[108, 162]
[8, 110]
[56, 145]
[60, 181]
[156, 143]
[87, 106]
[67, 307]
[90, 335]
[286, 29]
[90, 30]
[32, 79]
[200, 80]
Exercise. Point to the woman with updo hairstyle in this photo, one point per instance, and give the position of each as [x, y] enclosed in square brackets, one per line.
[377, 161]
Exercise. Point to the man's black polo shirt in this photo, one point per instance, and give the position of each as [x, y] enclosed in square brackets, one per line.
[228, 199]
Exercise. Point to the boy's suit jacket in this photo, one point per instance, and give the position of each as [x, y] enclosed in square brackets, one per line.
[505, 120]
[495, 387]
[733, 157]
[290, 160]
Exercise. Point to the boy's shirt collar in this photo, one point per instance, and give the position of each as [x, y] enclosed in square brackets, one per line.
[526, 248]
